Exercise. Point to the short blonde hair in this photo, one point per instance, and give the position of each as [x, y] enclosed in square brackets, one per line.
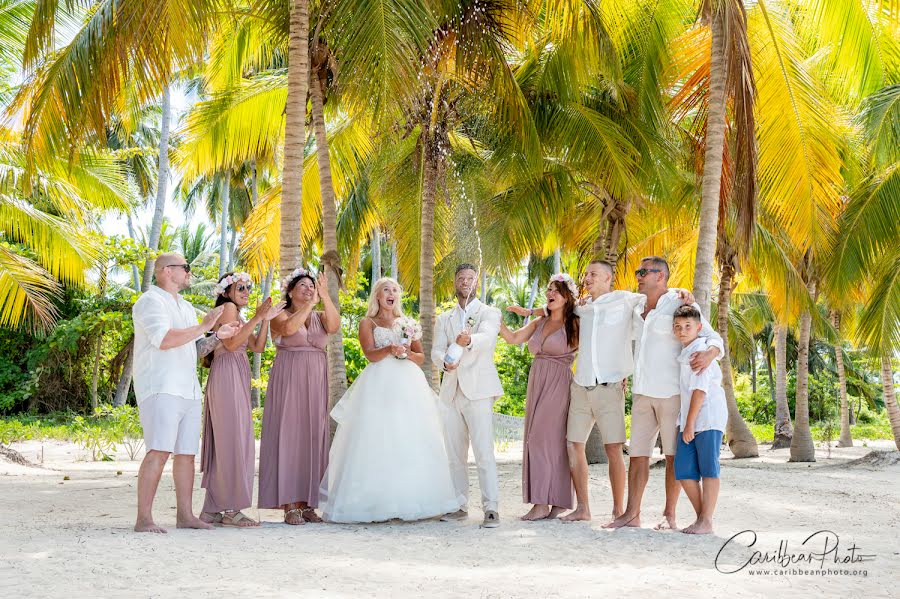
[373, 297]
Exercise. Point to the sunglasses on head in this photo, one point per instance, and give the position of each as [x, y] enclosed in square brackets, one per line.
[186, 267]
[642, 272]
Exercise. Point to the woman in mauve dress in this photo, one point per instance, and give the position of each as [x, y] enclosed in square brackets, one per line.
[293, 450]
[228, 455]
[553, 340]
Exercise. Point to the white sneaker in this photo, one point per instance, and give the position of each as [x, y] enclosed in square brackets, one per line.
[491, 519]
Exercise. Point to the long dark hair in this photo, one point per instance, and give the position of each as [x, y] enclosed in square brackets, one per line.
[220, 301]
[290, 287]
[572, 322]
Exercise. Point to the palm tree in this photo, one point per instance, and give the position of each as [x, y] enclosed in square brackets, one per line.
[294, 137]
[890, 398]
[162, 182]
[784, 432]
[730, 77]
[846, 440]
[46, 223]
[323, 65]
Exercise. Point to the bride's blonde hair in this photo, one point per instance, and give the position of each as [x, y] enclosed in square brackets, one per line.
[373, 297]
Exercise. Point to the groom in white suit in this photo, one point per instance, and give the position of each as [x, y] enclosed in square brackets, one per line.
[469, 388]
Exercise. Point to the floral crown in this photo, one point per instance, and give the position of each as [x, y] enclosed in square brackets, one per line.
[567, 280]
[238, 277]
[296, 274]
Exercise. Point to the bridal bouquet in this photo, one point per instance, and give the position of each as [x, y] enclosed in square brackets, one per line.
[409, 328]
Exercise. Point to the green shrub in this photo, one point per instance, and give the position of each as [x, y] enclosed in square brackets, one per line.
[513, 364]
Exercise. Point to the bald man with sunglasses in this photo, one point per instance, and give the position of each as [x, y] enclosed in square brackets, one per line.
[656, 398]
[167, 343]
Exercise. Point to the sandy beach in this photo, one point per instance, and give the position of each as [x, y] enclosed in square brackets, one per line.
[72, 538]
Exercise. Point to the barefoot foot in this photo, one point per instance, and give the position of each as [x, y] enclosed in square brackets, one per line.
[667, 523]
[580, 514]
[192, 522]
[555, 511]
[538, 512]
[700, 527]
[148, 526]
[625, 520]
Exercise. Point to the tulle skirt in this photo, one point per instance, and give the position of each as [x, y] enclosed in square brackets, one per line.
[388, 459]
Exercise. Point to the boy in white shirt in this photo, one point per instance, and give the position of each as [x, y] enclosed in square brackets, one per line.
[701, 423]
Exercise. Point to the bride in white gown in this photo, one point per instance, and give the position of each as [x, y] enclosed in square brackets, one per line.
[387, 459]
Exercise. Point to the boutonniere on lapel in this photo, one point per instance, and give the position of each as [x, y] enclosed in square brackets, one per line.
[470, 323]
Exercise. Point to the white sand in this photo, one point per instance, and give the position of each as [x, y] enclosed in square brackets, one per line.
[72, 538]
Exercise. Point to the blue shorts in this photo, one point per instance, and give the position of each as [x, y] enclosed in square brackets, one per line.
[699, 458]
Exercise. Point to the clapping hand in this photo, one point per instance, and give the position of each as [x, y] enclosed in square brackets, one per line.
[322, 283]
[229, 330]
[212, 317]
[263, 309]
[273, 311]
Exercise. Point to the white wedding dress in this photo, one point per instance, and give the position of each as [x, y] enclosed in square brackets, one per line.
[388, 458]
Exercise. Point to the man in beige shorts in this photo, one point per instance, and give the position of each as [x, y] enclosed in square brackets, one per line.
[656, 393]
[598, 392]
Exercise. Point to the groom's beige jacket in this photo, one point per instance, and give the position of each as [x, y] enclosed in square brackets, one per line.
[476, 375]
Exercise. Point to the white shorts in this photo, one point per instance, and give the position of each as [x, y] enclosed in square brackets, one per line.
[171, 423]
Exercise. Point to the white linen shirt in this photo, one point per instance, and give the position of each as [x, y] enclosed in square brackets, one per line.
[605, 336]
[171, 371]
[461, 315]
[713, 414]
[656, 349]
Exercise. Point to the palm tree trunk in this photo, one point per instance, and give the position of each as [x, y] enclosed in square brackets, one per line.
[337, 369]
[890, 398]
[784, 431]
[257, 357]
[95, 375]
[376, 255]
[802, 447]
[557, 261]
[426, 258]
[124, 384]
[162, 183]
[394, 272]
[223, 224]
[294, 137]
[135, 273]
[740, 439]
[846, 439]
[232, 247]
[712, 168]
[770, 371]
[484, 286]
[753, 371]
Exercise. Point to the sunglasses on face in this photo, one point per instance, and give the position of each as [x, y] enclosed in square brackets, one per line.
[244, 287]
[642, 272]
[186, 267]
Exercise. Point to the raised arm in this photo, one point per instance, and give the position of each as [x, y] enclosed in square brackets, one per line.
[520, 336]
[286, 324]
[331, 318]
[152, 317]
